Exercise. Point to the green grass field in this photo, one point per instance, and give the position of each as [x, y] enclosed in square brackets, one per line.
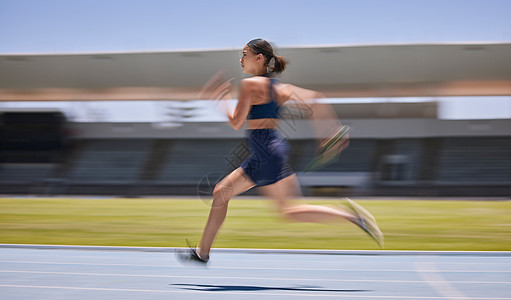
[407, 224]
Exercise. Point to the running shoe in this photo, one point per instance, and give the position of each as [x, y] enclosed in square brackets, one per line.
[359, 210]
[366, 221]
[189, 255]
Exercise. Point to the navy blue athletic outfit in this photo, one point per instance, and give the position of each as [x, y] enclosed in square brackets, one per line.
[268, 162]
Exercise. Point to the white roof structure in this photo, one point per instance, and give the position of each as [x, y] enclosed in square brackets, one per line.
[405, 70]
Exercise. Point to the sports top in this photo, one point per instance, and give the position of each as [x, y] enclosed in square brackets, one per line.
[268, 110]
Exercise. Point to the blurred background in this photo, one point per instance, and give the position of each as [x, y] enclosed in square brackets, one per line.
[100, 97]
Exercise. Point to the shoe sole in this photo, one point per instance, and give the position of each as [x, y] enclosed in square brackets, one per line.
[374, 232]
[371, 227]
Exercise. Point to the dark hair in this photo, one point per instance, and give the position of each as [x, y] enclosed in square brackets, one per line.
[263, 47]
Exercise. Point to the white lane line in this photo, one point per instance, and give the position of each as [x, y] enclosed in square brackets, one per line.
[328, 262]
[438, 282]
[254, 268]
[279, 258]
[238, 277]
[303, 294]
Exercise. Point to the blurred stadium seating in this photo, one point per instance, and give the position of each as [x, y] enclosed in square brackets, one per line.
[458, 166]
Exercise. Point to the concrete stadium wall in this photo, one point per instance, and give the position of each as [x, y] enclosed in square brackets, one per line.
[299, 129]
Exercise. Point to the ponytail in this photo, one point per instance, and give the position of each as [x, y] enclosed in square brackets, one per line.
[280, 64]
[274, 64]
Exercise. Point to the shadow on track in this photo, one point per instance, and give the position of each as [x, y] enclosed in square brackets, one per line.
[226, 288]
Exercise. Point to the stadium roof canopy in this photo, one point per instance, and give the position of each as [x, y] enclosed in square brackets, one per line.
[405, 70]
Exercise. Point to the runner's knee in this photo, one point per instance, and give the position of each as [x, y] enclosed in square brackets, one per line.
[222, 194]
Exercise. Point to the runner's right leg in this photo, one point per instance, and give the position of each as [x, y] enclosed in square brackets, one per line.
[232, 185]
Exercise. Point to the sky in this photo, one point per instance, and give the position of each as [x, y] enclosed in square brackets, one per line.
[92, 26]
[78, 26]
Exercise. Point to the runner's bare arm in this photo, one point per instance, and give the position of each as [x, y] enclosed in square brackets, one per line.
[237, 119]
[323, 117]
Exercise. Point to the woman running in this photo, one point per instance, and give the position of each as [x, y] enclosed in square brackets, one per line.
[259, 100]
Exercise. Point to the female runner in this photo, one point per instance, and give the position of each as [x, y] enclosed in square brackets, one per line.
[259, 100]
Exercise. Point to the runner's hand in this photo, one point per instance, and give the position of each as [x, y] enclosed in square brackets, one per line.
[217, 88]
